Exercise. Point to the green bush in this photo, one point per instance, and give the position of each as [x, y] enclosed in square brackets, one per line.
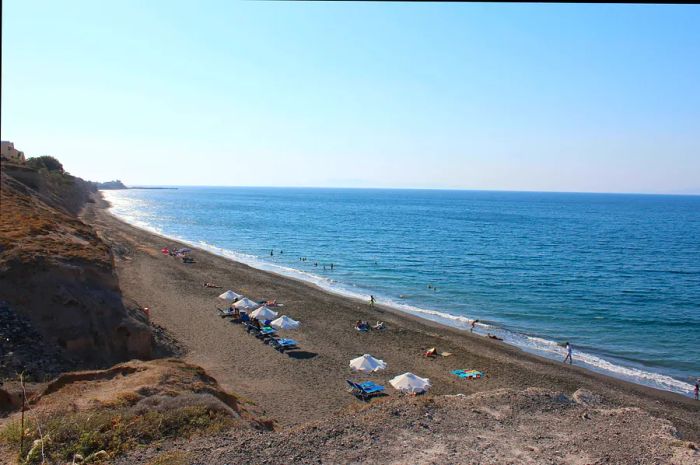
[46, 162]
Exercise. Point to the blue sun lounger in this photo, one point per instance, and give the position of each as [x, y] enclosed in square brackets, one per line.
[365, 390]
[283, 344]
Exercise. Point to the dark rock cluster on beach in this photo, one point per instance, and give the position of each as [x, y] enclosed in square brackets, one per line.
[23, 350]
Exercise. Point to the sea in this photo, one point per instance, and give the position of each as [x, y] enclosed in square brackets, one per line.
[616, 275]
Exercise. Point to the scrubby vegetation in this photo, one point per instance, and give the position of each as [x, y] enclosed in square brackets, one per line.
[113, 431]
[46, 162]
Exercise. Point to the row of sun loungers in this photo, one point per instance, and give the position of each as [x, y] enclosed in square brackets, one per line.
[268, 335]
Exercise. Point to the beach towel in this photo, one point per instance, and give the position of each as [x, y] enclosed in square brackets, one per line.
[468, 374]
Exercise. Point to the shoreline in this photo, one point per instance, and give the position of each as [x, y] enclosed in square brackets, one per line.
[543, 348]
[277, 383]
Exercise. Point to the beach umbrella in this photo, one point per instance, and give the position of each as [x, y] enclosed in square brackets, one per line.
[284, 322]
[367, 363]
[229, 296]
[246, 304]
[408, 382]
[263, 313]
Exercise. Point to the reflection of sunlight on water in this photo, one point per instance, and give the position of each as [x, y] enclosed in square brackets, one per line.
[136, 212]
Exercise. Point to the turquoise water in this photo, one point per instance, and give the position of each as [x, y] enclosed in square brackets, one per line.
[616, 275]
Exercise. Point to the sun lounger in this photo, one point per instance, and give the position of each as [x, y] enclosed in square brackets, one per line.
[223, 313]
[251, 328]
[365, 390]
[468, 374]
[265, 332]
[283, 344]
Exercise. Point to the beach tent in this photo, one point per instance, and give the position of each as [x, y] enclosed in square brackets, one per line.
[284, 322]
[367, 363]
[408, 382]
[263, 313]
[229, 296]
[246, 304]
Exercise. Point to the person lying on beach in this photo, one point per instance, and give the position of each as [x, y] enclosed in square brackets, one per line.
[432, 352]
[493, 336]
[379, 325]
[213, 286]
[361, 325]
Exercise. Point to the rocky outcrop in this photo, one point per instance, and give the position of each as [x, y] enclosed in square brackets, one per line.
[58, 275]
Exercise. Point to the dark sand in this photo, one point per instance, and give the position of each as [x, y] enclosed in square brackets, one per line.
[309, 384]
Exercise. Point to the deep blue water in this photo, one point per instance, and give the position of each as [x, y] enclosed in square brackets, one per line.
[617, 275]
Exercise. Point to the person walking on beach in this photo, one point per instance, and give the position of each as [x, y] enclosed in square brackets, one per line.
[697, 389]
[568, 354]
[371, 301]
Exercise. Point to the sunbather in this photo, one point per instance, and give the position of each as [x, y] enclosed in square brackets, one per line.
[379, 325]
[213, 286]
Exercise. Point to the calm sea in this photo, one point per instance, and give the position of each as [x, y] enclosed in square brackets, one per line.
[616, 275]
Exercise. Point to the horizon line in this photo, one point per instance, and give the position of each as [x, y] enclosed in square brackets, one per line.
[451, 189]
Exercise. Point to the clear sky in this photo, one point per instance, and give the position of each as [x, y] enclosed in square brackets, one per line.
[475, 96]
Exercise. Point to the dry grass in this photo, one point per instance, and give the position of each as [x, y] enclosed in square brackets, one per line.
[126, 406]
[31, 231]
[114, 431]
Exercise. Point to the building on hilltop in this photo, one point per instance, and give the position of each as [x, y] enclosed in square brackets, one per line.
[10, 153]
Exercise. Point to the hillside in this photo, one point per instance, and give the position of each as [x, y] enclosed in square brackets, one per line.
[98, 415]
[57, 278]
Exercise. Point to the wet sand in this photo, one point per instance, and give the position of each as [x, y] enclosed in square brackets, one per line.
[309, 384]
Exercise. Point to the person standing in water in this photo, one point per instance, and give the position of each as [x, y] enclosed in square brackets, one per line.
[568, 354]
[697, 389]
[473, 325]
[331, 266]
[272, 253]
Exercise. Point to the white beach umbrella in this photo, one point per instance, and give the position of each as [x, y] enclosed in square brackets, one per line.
[246, 304]
[284, 322]
[367, 363]
[408, 382]
[229, 296]
[263, 313]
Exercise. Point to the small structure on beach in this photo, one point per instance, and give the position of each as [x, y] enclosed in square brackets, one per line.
[230, 296]
[408, 382]
[367, 364]
[263, 313]
[284, 322]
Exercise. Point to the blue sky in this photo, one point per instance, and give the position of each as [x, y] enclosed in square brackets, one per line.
[601, 98]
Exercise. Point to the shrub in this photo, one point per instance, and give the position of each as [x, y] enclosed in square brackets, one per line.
[46, 162]
[114, 430]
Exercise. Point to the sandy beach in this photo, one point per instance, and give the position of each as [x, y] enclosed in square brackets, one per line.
[309, 384]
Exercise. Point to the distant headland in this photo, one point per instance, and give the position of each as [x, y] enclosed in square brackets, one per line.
[117, 184]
